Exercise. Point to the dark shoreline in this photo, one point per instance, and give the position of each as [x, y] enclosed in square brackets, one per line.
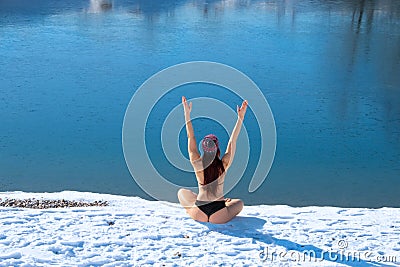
[33, 203]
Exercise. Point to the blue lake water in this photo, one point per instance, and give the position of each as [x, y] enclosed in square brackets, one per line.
[329, 70]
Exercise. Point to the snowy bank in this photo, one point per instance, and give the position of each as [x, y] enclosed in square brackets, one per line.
[134, 232]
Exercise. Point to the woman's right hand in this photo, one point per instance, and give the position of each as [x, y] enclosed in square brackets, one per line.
[187, 107]
[242, 110]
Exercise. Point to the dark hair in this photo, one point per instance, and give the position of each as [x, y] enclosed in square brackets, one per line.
[213, 168]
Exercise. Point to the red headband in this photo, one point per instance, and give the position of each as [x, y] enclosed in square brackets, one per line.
[208, 148]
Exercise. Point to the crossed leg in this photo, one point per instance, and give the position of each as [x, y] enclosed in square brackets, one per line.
[187, 199]
[233, 208]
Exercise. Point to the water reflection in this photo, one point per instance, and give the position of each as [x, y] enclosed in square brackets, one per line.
[330, 70]
[361, 10]
[369, 53]
[98, 6]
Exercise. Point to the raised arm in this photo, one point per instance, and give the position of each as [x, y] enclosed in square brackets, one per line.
[231, 148]
[192, 145]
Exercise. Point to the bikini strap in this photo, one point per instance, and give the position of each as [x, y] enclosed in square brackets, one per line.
[205, 184]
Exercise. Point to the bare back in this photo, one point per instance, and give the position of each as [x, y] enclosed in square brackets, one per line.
[204, 193]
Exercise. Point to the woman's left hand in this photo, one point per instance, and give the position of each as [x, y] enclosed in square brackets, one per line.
[187, 107]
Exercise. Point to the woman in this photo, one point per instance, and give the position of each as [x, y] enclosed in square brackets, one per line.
[209, 205]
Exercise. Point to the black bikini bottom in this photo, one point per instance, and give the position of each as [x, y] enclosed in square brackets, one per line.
[210, 208]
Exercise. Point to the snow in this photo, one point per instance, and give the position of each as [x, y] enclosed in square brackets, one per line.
[135, 232]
